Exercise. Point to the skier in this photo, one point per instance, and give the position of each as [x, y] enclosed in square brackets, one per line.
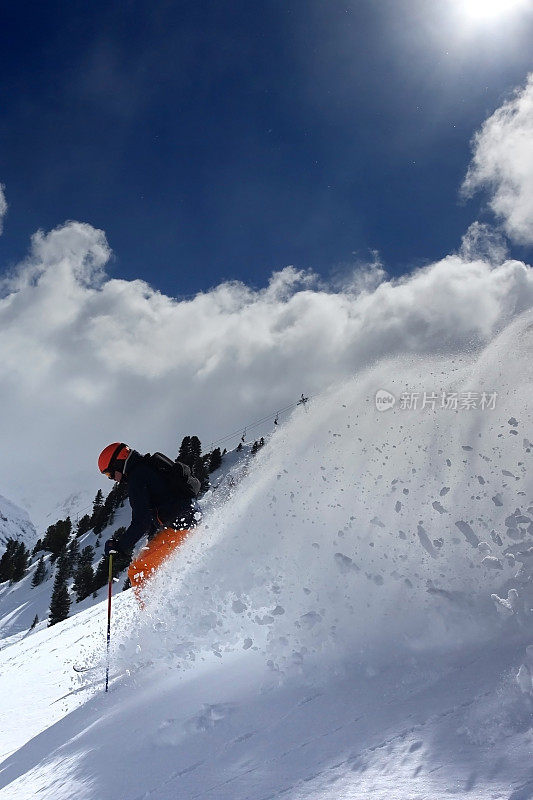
[162, 497]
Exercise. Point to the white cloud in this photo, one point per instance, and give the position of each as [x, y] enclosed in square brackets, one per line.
[503, 163]
[3, 207]
[85, 359]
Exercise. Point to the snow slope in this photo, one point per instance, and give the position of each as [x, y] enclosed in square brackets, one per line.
[453, 726]
[348, 622]
[20, 602]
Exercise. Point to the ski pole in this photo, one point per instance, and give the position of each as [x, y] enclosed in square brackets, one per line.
[109, 592]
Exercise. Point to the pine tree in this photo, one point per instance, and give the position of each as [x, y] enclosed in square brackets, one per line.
[84, 525]
[57, 536]
[196, 448]
[184, 454]
[200, 464]
[38, 547]
[73, 553]
[108, 512]
[60, 602]
[98, 515]
[40, 573]
[63, 565]
[6, 562]
[86, 556]
[190, 450]
[14, 561]
[98, 501]
[84, 575]
[104, 510]
[101, 574]
[20, 562]
[183, 450]
[215, 460]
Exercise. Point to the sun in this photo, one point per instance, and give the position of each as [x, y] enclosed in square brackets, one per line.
[488, 9]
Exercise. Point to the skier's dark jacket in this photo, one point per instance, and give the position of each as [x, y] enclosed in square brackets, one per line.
[153, 501]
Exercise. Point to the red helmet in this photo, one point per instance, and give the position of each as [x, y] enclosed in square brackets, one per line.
[112, 458]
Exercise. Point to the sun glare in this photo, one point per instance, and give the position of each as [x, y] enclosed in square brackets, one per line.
[488, 9]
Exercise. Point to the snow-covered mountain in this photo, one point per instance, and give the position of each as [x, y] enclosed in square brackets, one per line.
[348, 621]
[73, 506]
[15, 524]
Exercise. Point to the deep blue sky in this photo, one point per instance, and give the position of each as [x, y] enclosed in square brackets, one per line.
[223, 140]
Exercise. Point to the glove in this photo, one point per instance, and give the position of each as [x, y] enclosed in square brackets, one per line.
[111, 547]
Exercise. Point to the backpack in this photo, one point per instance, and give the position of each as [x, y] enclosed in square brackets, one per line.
[179, 475]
